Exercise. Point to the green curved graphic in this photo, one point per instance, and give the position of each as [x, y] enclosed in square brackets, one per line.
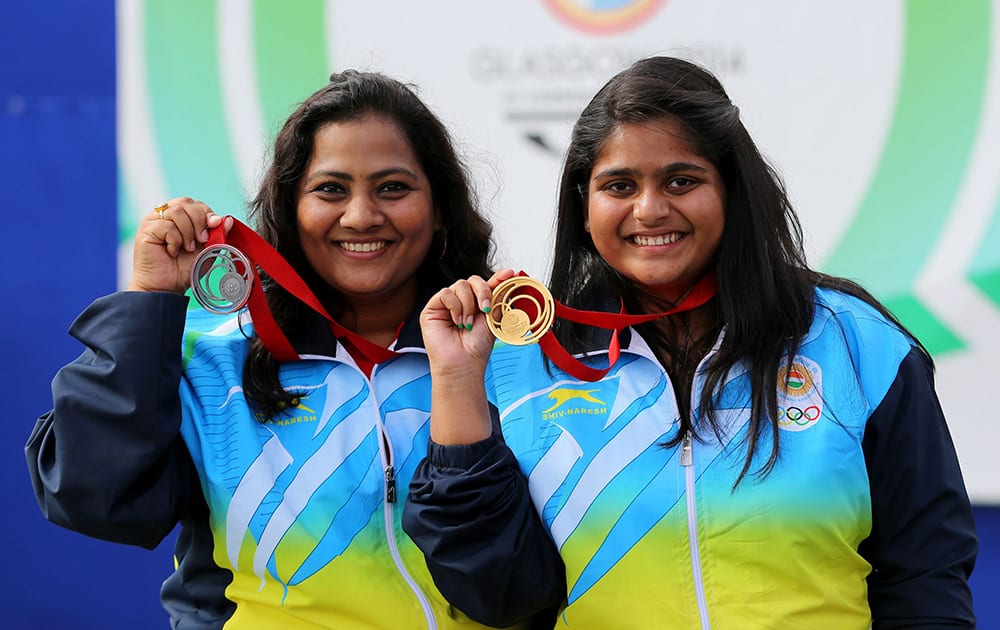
[985, 271]
[925, 157]
[185, 88]
[291, 61]
[186, 103]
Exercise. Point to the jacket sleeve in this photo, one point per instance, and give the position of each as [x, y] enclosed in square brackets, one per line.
[489, 553]
[108, 460]
[923, 545]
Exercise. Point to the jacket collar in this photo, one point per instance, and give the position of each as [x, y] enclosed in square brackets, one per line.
[315, 337]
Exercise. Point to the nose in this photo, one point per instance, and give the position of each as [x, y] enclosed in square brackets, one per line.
[361, 213]
[651, 207]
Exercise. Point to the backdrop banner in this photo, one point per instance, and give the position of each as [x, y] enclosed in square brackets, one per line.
[883, 118]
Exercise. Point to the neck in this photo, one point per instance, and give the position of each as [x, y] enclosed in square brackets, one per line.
[378, 320]
[692, 331]
[680, 342]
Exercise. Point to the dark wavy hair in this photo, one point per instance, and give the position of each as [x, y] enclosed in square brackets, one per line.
[461, 248]
[765, 296]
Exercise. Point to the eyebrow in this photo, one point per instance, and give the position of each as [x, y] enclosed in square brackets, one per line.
[386, 172]
[669, 169]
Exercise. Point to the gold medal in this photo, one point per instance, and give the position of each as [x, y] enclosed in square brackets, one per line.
[522, 311]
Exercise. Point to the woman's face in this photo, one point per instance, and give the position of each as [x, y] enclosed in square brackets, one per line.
[365, 211]
[655, 208]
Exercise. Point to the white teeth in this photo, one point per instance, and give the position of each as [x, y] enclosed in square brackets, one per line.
[662, 239]
[362, 247]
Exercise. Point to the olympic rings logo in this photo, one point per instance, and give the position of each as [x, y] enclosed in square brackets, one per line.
[798, 416]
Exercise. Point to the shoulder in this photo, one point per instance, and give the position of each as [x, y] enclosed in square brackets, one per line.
[848, 332]
[858, 320]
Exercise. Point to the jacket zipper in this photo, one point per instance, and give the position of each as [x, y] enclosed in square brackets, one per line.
[687, 461]
[390, 484]
[385, 454]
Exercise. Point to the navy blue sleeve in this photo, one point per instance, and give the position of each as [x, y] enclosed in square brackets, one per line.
[108, 460]
[489, 553]
[923, 544]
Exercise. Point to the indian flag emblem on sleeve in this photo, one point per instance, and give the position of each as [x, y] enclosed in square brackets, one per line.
[800, 399]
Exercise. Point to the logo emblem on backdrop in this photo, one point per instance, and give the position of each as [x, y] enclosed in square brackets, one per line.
[604, 16]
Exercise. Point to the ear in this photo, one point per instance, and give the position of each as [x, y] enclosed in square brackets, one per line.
[437, 219]
[586, 219]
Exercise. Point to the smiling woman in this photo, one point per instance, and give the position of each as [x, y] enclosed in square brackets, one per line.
[366, 221]
[655, 207]
[283, 476]
[773, 457]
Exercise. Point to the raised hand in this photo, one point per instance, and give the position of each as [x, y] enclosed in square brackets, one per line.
[458, 344]
[167, 243]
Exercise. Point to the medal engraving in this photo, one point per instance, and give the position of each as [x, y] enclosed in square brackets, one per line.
[522, 311]
[232, 286]
[514, 324]
[221, 279]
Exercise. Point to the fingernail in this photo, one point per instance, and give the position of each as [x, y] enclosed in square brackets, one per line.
[204, 235]
[485, 306]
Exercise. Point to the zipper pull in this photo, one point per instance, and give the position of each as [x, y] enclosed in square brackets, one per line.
[390, 484]
[686, 458]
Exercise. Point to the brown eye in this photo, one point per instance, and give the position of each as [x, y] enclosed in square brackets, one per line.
[394, 188]
[618, 187]
[681, 183]
[330, 188]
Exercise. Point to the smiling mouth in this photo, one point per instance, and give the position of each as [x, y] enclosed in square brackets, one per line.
[362, 247]
[662, 239]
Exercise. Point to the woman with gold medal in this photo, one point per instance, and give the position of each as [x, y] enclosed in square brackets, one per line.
[717, 436]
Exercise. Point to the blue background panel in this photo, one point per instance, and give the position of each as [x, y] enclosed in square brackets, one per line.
[58, 183]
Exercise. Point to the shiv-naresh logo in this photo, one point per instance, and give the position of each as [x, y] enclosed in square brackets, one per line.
[584, 403]
[296, 414]
[604, 16]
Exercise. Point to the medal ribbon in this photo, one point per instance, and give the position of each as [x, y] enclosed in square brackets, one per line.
[267, 258]
[700, 293]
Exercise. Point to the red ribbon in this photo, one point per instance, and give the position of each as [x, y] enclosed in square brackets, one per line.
[267, 258]
[700, 293]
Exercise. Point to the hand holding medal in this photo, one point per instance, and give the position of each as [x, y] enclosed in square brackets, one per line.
[167, 242]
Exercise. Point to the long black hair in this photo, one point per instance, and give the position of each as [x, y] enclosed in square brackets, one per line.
[462, 247]
[765, 297]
